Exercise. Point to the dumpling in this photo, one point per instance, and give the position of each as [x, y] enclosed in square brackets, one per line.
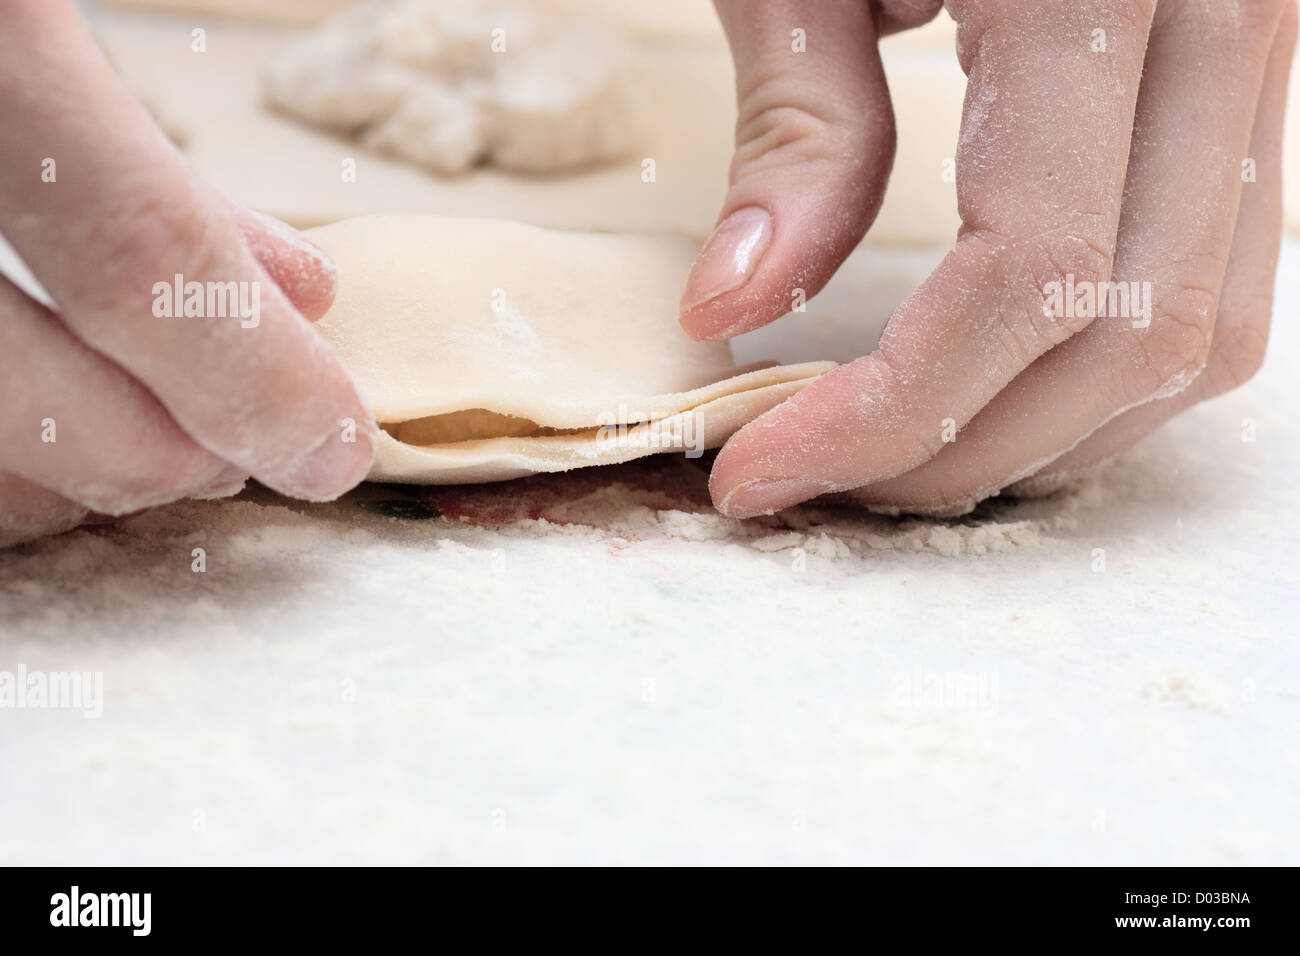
[491, 350]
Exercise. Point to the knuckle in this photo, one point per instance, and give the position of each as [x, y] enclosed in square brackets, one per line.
[1239, 349]
[151, 240]
[1240, 366]
[777, 136]
[1080, 247]
[786, 120]
[786, 136]
[1045, 267]
[1174, 350]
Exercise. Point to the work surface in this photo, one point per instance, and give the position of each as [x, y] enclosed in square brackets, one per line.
[599, 668]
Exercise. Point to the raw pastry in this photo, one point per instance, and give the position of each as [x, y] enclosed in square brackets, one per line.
[448, 83]
[491, 350]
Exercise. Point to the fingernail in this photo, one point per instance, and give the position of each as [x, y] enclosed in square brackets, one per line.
[332, 467]
[764, 496]
[295, 240]
[729, 258]
[296, 263]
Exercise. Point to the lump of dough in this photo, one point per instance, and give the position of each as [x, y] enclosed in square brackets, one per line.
[434, 126]
[553, 106]
[490, 350]
[334, 88]
[450, 83]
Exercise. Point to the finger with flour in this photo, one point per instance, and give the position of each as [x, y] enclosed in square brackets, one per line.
[124, 214]
[1246, 303]
[296, 264]
[1175, 240]
[1038, 197]
[814, 146]
[80, 426]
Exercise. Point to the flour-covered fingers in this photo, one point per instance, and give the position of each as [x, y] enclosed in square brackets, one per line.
[1246, 303]
[148, 268]
[814, 146]
[1154, 323]
[76, 424]
[1040, 171]
[296, 264]
[28, 511]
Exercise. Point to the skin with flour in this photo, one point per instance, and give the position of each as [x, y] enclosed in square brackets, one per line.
[1101, 140]
[104, 406]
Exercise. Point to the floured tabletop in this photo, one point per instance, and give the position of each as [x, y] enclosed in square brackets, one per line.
[598, 667]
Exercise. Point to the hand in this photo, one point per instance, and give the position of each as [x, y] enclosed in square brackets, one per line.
[1073, 165]
[105, 405]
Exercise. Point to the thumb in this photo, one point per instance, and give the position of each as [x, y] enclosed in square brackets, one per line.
[814, 146]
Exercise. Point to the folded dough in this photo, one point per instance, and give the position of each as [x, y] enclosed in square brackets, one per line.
[491, 350]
